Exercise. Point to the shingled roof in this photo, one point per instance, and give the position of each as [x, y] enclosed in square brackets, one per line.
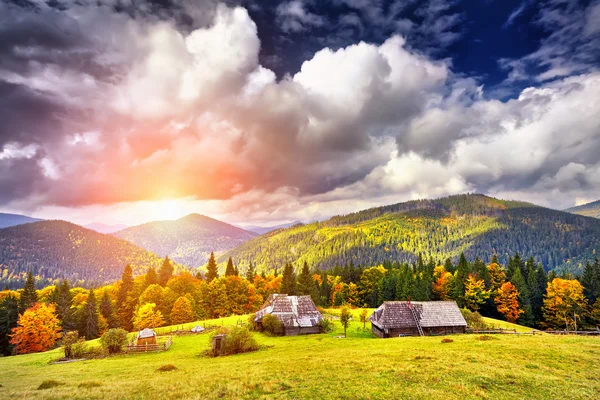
[292, 311]
[397, 314]
[146, 333]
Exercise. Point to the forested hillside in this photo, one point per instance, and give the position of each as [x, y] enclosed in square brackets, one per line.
[589, 210]
[59, 249]
[188, 240]
[474, 224]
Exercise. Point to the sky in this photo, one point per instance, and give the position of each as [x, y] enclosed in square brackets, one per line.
[264, 112]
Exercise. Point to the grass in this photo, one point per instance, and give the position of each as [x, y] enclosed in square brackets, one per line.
[323, 366]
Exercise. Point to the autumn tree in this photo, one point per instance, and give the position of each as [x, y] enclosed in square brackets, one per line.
[147, 316]
[475, 293]
[182, 311]
[211, 268]
[564, 303]
[165, 272]
[37, 330]
[345, 317]
[442, 283]
[507, 302]
[497, 276]
[363, 317]
[151, 277]
[28, 295]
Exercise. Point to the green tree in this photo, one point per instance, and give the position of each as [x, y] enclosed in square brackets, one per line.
[90, 317]
[524, 300]
[230, 270]
[250, 273]
[9, 316]
[288, 283]
[107, 310]
[165, 272]
[28, 295]
[590, 279]
[125, 301]
[457, 290]
[306, 283]
[211, 268]
[64, 300]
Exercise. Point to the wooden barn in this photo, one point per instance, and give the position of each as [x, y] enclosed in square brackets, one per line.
[417, 318]
[146, 336]
[298, 314]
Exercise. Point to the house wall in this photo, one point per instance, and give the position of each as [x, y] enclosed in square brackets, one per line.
[438, 330]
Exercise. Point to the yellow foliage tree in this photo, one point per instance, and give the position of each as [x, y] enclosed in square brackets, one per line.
[37, 330]
[507, 302]
[497, 276]
[564, 303]
[442, 281]
[475, 293]
[182, 311]
[147, 316]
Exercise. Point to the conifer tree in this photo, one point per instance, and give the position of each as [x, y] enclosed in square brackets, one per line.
[107, 310]
[211, 268]
[125, 305]
[229, 270]
[9, 315]
[90, 317]
[288, 283]
[250, 273]
[306, 283]
[64, 301]
[525, 303]
[28, 294]
[151, 277]
[590, 279]
[457, 291]
[166, 272]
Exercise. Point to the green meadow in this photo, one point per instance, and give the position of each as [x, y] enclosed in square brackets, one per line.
[325, 366]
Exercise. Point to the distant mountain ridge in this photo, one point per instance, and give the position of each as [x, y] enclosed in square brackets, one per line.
[261, 230]
[7, 220]
[106, 228]
[589, 210]
[188, 240]
[475, 224]
[62, 250]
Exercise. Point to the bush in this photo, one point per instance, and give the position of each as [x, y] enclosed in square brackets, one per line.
[239, 340]
[325, 325]
[251, 323]
[114, 340]
[69, 339]
[474, 319]
[272, 324]
[80, 348]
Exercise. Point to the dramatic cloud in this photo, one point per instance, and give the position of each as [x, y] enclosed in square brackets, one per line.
[106, 106]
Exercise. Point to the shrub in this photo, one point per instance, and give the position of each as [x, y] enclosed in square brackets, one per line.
[114, 340]
[251, 323]
[272, 324]
[325, 325]
[239, 340]
[80, 348]
[474, 319]
[166, 368]
[447, 340]
[69, 339]
[486, 337]
[49, 384]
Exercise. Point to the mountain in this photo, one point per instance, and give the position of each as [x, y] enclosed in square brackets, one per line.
[7, 220]
[261, 230]
[104, 228]
[589, 210]
[188, 240]
[477, 225]
[60, 249]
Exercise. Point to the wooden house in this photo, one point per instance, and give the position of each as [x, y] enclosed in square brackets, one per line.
[298, 314]
[146, 336]
[417, 318]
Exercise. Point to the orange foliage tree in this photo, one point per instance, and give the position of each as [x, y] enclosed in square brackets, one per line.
[507, 302]
[442, 282]
[37, 330]
[182, 311]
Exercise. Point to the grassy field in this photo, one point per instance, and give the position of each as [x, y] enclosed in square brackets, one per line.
[323, 367]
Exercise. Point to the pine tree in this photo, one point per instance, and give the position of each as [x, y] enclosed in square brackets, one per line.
[457, 291]
[229, 271]
[524, 300]
[9, 315]
[590, 279]
[250, 273]
[28, 294]
[64, 311]
[107, 310]
[165, 272]
[288, 283]
[125, 303]
[306, 283]
[90, 315]
[211, 269]
[151, 277]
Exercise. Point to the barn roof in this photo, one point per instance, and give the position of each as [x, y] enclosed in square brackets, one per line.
[292, 311]
[397, 314]
[197, 328]
[146, 333]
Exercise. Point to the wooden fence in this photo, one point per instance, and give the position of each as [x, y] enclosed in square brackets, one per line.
[583, 333]
[133, 348]
[502, 331]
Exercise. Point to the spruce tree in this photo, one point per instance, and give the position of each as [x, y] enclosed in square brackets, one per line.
[28, 294]
[211, 269]
[107, 310]
[324, 291]
[288, 282]
[64, 312]
[306, 283]
[457, 290]
[9, 316]
[590, 280]
[250, 273]
[165, 272]
[151, 277]
[519, 282]
[230, 270]
[448, 266]
[90, 317]
[125, 301]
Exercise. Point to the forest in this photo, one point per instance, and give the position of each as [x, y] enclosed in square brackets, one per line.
[519, 292]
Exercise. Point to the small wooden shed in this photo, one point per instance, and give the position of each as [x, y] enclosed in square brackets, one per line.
[146, 336]
[417, 318]
[197, 329]
[298, 314]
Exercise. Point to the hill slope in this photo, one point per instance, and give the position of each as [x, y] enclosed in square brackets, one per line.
[7, 220]
[475, 224]
[188, 240]
[105, 228]
[60, 249]
[589, 210]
